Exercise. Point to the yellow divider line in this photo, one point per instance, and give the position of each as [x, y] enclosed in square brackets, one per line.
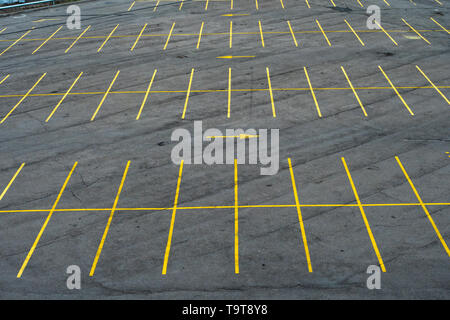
[14, 43]
[229, 93]
[434, 86]
[236, 220]
[423, 206]
[33, 247]
[23, 98]
[172, 221]
[354, 32]
[139, 36]
[396, 91]
[261, 33]
[105, 233]
[64, 97]
[187, 94]
[292, 33]
[231, 5]
[11, 181]
[168, 37]
[423, 38]
[366, 222]
[200, 35]
[312, 93]
[104, 96]
[46, 40]
[270, 92]
[440, 25]
[146, 95]
[231, 34]
[392, 39]
[300, 219]
[76, 40]
[3, 80]
[107, 38]
[326, 38]
[354, 91]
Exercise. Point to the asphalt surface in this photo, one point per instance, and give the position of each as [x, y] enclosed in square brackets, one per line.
[410, 234]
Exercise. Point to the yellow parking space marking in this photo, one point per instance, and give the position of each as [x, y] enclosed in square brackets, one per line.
[231, 4]
[62, 99]
[78, 38]
[354, 32]
[440, 3]
[157, 3]
[332, 2]
[360, 3]
[132, 5]
[23, 98]
[200, 35]
[206, 5]
[15, 42]
[434, 86]
[282, 4]
[235, 14]
[423, 206]
[107, 38]
[52, 210]
[326, 38]
[387, 3]
[168, 37]
[392, 39]
[412, 2]
[300, 219]
[108, 224]
[256, 5]
[187, 94]
[423, 38]
[139, 36]
[3, 80]
[366, 222]
[440, 25]
[307, 3]
[104, 96]
[396, 91]
[231, 34]
[229, 93]
[236, 220]
[233, 57]
[181, 5]
[3, 29]
[172, 220]
[319, 113]
[271, 93]
[261, 33]
[354, 91]
[292, 33]
[11, 181]
[46, 40]
[146, 95]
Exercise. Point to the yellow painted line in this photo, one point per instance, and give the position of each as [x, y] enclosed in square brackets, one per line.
[312, 93]
[107, 38]
[104, 96]
[168, 37]
[3, 29]
[270, 92]
[43, 20]
[423, 38]
[387, 3]
[231, 57]
[187, 94]
[206, 5]
[282, 4]
[423, 206]
[354, 91]
[139, 36]
[300, 219]
[366, 222]
[146, 95]
[440, 25]
[172, 221]
[33, 247]
[23, 98]
[392, 39]
[396, 91]
[241, 136]
[360, 4]
[231, 4]
[307, 3]
[157, 3]
[256, 5]
[231, 34]
[16, 41]
[131, 6]
[234, 14]
[229, 93]
[78, 38]
[200, 35]
[3, 80]
[261, 33]
[236, 220]
[292, 33]
[412, 2]
[440, 3]
[434, 86]
[105, 233]
[62, 99]
[11, 181]
[46, 40]
[332, 2]
[354, 32]
[326, 38]
[181, 5]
